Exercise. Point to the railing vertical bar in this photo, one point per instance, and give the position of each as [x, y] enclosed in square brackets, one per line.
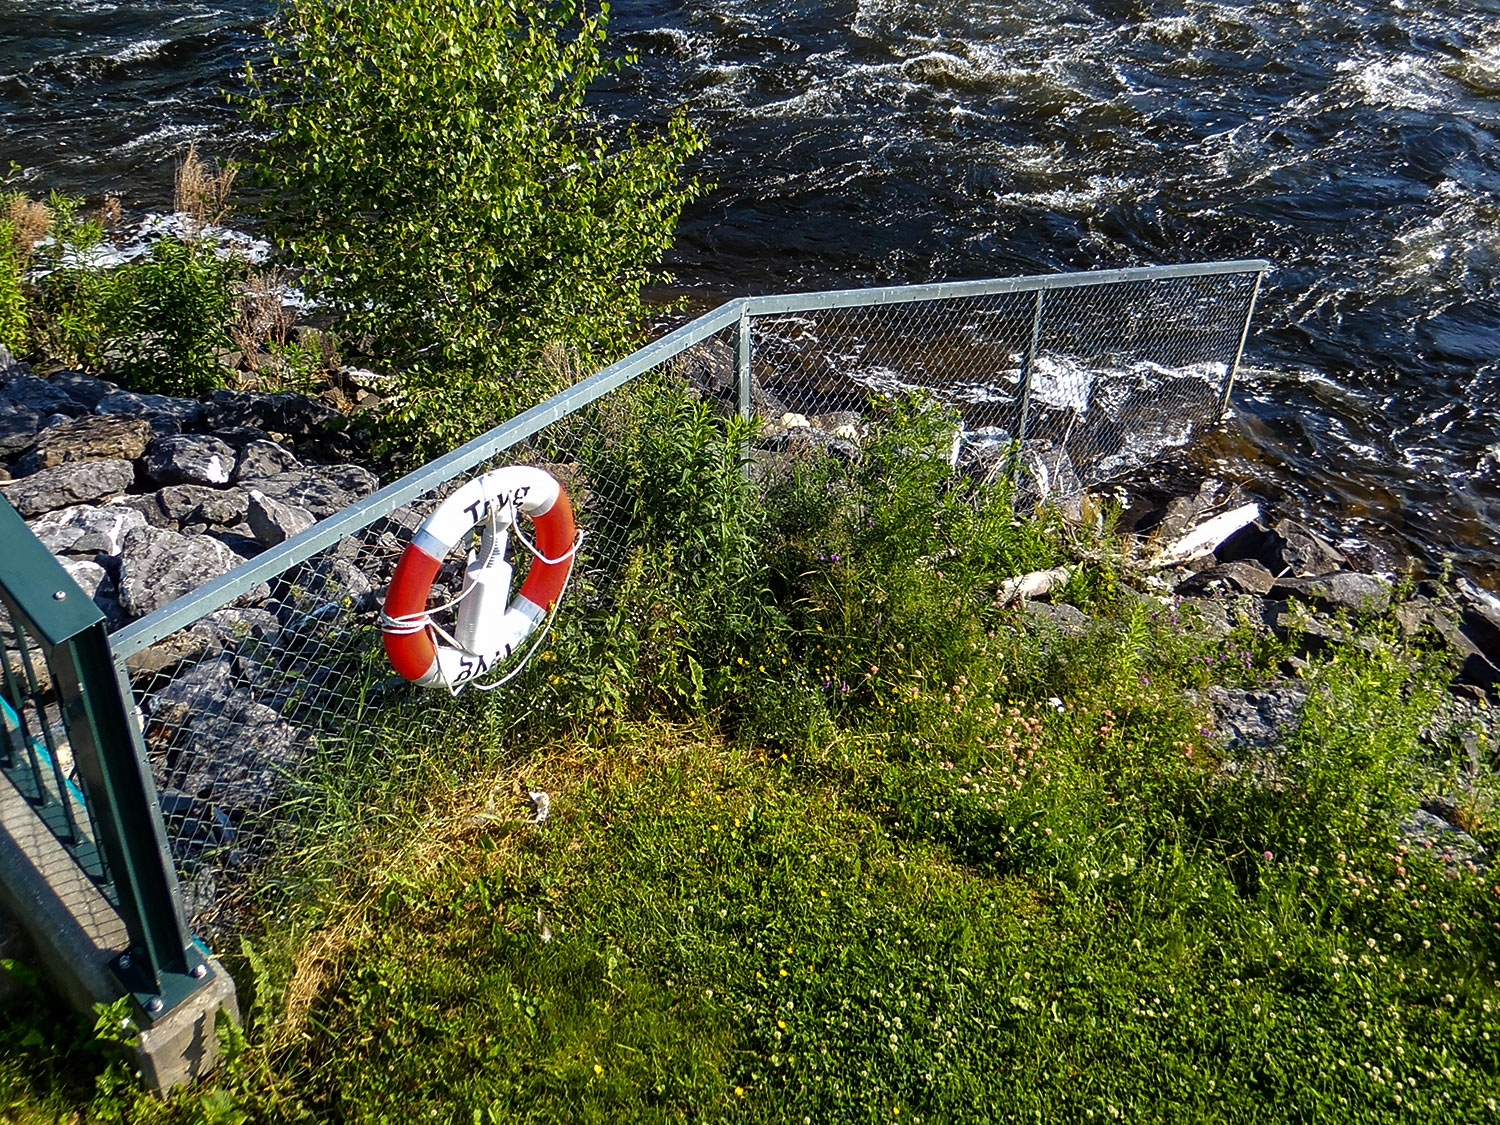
[53, 758]
[1239, 351]
[23, 699]
[13, 739]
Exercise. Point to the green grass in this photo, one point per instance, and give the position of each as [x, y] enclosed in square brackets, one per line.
[857, 932]
[868, 846]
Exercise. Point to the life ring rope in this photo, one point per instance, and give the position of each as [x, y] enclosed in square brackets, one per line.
[493, 625]
[410, 623]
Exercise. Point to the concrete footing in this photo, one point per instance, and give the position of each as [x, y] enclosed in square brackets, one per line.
[74, 933]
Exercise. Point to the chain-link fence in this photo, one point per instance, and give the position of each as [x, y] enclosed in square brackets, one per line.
[275, 672]
[1065, 387]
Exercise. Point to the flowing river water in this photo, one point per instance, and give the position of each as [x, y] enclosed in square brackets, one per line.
[1354, 144]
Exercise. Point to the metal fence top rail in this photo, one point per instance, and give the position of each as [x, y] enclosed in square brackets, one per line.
[946, 290]
[218, 593]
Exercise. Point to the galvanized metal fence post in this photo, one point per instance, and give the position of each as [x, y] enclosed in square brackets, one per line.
[742, 355]
[1028, 367]
[1239, 351]
[163, 965]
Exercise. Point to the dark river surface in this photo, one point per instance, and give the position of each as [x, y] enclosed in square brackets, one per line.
[1355, 145]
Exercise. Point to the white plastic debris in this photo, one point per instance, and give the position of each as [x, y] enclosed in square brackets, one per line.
[1032, 585]
[1207, 536]
[541, 807]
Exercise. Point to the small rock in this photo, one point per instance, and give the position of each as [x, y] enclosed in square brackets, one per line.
[1475, 666]
[1211, 615]
[1446, 842]
[264, 458]
[225, 508]
[1411, 616]
[85, 530]
[370, 381]
[1304, 553]
[272, 522]
[10, 367]
[92, 438]
[80, 482]
[1068, 618]
[157, 567]
[1256, 719]
[189, 459]
[1247, 576]
[18, 429]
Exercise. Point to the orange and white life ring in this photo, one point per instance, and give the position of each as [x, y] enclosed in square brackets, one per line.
[489, 628]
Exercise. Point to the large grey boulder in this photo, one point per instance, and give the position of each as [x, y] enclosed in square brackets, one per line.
[281, 413]
[90, 576]
[27, 392]
[1258, 718]
[167, 415]
[86, 530]
[1246, 576]
[92, 438]
[80, 482]
[18, 428]
[233, 629]
[81, 388]
[157, 567]
[272, 522]
[1306, 554]
[1345, 589]
[322, 490]
[208, 736]
[148, 506]
[264, 459]
[189, 459]
[197, 503]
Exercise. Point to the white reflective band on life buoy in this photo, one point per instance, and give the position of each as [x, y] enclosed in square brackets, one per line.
[491, 625]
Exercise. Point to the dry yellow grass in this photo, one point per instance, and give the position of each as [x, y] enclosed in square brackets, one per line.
[261, 316]
[441, 833]
[29, 222]
[200, 190]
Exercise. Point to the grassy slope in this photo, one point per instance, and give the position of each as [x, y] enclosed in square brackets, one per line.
[848, 935]
[917, 857]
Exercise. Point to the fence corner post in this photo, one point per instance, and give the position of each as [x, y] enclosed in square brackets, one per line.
[743, 379]
[1028, 370]
[1239, 351]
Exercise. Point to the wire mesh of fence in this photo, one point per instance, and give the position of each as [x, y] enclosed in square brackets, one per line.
[1065, 388]
[252, 693]
[245, 710]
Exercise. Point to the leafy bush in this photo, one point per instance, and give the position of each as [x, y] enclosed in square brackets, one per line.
[171, 312]
[69, 316]
[435, 167]
[12, 295]
[680, 596]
